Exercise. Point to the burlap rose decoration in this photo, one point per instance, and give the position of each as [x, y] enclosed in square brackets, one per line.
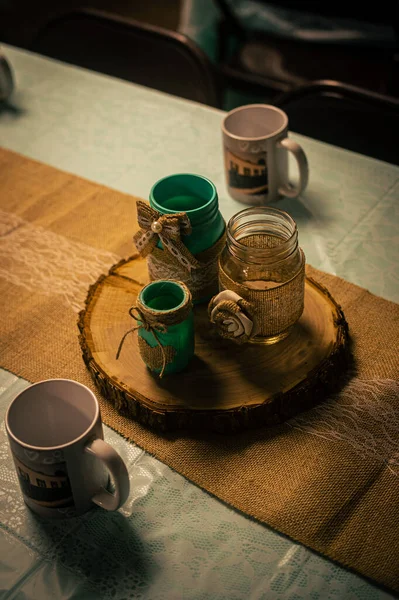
[233, 316]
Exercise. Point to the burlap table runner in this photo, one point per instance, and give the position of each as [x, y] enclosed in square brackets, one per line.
[328, 479]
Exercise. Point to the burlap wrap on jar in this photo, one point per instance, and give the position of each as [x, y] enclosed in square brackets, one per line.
[174, 261]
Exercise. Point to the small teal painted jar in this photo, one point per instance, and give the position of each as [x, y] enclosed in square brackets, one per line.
[165, 325]
[166, 334]
[183, 233]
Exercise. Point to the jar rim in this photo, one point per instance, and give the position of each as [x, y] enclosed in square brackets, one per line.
[274, 254]
[152, 289]
[176, 179]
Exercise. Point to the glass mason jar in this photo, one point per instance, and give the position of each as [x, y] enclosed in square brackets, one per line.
[264, 265]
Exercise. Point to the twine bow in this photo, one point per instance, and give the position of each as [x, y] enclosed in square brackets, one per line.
[149, 324]
[166, 228]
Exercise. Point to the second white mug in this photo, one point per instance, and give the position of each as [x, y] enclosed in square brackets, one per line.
[62, 462]
[256, 146]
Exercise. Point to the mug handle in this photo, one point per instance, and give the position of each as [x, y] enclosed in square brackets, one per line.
[287, 189]
[117, 468]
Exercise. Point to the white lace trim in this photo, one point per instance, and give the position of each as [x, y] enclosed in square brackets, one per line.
[196, 281]
[43, 261]
[365, 416]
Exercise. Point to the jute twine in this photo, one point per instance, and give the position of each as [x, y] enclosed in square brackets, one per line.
[156, 322]
[157, 357]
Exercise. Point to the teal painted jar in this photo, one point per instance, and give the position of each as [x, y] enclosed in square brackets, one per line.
[166, 326]
[197, 197]
[183, 233]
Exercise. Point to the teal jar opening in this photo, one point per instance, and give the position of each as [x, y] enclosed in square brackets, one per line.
[163, 295]
[196, 196]
[184, 192]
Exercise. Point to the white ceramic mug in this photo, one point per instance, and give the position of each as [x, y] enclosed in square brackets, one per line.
[63, 464]
[256, 146]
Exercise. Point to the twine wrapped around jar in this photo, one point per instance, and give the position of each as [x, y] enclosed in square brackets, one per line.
[163, 313]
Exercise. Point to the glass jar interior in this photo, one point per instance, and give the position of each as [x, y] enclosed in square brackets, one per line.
[262, 248]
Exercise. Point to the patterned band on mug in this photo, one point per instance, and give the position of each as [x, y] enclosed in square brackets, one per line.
[247, 174]
[46, 485]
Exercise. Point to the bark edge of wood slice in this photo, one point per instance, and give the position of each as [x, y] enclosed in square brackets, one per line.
[226, 388]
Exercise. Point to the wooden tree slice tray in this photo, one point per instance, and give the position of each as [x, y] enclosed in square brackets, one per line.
[226, 387]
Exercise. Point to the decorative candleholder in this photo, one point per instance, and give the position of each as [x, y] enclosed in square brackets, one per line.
[262, 278]
[165, 326]
[182, 233]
